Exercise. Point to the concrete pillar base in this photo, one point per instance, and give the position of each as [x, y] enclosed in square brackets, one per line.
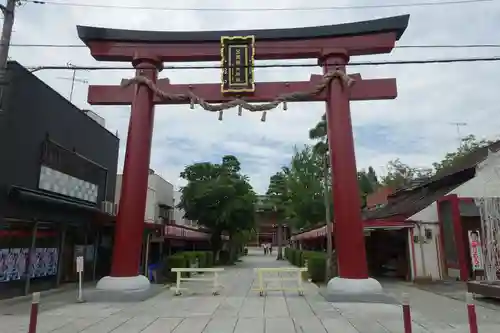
[122, 289]
[340, 290]
[354, 286]
[128, 283]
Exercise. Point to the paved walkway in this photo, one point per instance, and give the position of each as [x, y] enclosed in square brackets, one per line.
[239, 309]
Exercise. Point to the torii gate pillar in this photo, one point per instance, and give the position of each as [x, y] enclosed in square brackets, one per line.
[128, 232]
[353, 271]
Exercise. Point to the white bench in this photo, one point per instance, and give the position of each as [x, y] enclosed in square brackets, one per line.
[263, 280]
[214, 278]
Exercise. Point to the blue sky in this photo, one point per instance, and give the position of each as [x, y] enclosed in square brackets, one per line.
[416, 127]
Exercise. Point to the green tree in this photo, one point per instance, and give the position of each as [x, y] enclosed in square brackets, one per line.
[297, 190]
[365, 186]
[372, 177]
[468, 145]
[400, 175]
[219, 197]
[320, 133]
[305, 186]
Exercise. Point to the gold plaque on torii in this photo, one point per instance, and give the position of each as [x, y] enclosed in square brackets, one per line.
[237, 57]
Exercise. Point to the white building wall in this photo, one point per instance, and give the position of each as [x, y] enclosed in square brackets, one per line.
[486, 183]
[179, 213]
[164, 190]
[118, 189]
[151, 214]
[159, 192]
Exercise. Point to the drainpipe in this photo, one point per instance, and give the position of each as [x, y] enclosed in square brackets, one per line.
[421, 245]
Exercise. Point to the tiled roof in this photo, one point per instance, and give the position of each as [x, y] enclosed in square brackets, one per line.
[408, 202]
[469, 161]
[411, 201]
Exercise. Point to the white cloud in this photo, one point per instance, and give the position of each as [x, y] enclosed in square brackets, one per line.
[431, 97]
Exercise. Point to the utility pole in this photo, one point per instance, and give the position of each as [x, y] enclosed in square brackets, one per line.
[329, 224]
[279, 234]
[8, 24]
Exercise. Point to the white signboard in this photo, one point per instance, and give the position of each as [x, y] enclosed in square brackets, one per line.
[79, 264]
[475, 250]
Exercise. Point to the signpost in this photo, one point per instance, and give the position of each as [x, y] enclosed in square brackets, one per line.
[237, 55]
[79, 270]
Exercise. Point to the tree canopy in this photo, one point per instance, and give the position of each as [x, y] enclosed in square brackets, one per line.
[218, 196]
[401, 175]
[296, 191]
[468, 144]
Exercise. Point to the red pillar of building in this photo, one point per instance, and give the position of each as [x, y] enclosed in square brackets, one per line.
[349, 234]
[130, 220]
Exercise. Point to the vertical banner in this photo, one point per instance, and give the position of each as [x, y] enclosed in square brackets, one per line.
[237, 57]
[475, 250]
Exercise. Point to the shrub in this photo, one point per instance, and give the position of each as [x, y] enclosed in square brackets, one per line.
[174, 261]
[299, 258]
[308, 254]
[296, 257]
[316, 266]
[201, 256]
[224, 257]
[190, 256]
[316, 263]
[209, 258]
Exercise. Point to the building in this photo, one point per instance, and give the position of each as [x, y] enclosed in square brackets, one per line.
[427, 225]
[267, 225]
[378, 198]
[158, 214]
[57, 181]
[159, 199]
[455, 214]
[179, 213]
[166, 231]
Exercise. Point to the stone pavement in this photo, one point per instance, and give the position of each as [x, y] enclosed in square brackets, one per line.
[239, 309]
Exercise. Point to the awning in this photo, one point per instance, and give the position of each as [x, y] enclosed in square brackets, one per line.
[368, 225]
[40, 196]
[174, 231]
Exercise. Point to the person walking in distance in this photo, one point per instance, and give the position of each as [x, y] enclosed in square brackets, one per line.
[264, 246]
[270, 248]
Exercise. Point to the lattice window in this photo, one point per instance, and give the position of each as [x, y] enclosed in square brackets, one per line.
[489, 209]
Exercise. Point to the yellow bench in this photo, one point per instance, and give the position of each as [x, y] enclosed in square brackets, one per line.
[263, 289]
[214, 278]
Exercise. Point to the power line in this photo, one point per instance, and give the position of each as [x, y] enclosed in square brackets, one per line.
[367, 63]
[180, 46]
[221, 9]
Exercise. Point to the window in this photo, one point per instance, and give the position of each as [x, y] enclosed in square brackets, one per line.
[71, 163]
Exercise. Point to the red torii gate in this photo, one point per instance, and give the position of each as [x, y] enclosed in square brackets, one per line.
[147, 51]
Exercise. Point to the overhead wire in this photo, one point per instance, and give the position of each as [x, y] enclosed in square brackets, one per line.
[264, 9]
[180, 46]
[366, 63]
